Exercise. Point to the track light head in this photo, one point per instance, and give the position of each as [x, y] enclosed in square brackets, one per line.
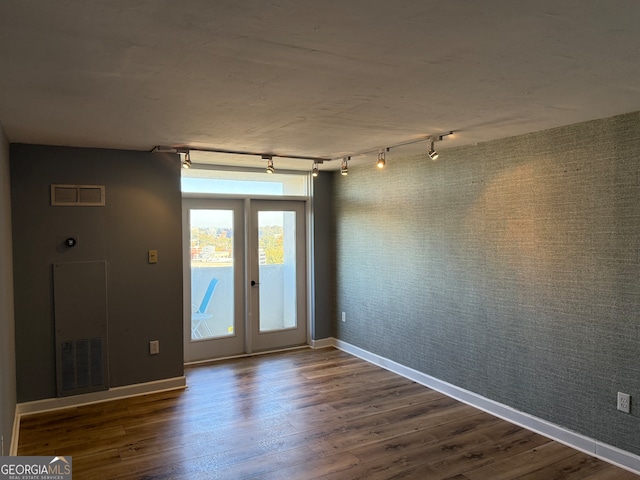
[381, 159]
[315, 170]
[186, 163]
[433, 155]
[344, 169]
[269, 159]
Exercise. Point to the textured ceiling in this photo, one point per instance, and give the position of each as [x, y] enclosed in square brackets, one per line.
[310, 78]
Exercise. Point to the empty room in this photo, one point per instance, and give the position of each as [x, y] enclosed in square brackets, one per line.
[328, 240]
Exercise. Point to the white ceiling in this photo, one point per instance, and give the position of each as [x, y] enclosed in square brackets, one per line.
[320, 78]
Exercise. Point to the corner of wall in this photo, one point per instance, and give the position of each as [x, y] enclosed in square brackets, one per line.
[7, 319]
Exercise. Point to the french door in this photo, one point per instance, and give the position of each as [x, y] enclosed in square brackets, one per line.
[245, 276]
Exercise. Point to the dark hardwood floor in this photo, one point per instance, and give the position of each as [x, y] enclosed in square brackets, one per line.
[306, 414]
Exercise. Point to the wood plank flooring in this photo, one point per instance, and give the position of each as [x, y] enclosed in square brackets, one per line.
[306, 414]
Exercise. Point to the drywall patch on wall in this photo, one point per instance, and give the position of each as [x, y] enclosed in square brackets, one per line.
[509, 269]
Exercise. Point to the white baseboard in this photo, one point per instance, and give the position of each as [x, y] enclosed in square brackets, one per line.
[323, 343]
[50, 404]
[608, 453]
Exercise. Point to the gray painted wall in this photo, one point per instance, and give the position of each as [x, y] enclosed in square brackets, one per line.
[7, 341]
[144, 301]
[510, 268]
[324, 249]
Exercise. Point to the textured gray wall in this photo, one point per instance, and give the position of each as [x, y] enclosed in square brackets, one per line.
[144, 302]
[510, 269]
[7, 343]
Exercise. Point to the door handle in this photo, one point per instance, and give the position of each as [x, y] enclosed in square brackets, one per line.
[254, 283]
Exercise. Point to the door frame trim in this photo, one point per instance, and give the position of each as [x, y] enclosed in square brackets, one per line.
[239, 305]
[309, 256]
[256, 338]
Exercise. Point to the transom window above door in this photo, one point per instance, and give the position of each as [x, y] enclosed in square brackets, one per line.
[246, 183]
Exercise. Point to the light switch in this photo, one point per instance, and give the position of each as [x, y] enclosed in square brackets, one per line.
[153, 256]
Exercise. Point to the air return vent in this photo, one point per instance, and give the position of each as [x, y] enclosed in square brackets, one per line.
[77, 195]
[81, 364]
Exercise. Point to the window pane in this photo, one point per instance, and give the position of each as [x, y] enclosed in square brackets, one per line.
[212, 294]
[277, 270]
[243, 183]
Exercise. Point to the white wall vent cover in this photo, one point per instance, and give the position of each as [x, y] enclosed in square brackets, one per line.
[77, 195]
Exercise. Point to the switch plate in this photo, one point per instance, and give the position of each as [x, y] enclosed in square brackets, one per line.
[154, 347]
[344, 316]
[153, 256]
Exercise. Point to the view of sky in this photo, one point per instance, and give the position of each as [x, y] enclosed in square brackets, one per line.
[205, 218]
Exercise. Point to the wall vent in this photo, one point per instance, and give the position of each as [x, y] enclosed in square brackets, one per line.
[82, 365]
[77, 195]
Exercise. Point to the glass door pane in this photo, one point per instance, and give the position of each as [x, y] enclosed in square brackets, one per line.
[278, 307]
[277, 270]
[212, 273]
[214, 263]
[245, 276]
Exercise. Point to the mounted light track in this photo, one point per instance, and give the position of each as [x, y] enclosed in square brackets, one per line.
[164, 149]
[167, 149]
[433, 154]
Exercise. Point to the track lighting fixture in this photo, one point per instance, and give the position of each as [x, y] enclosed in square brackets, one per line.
[344, 169]
[269, 159]
[186, 163]
[433, 155]
[184, 152]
